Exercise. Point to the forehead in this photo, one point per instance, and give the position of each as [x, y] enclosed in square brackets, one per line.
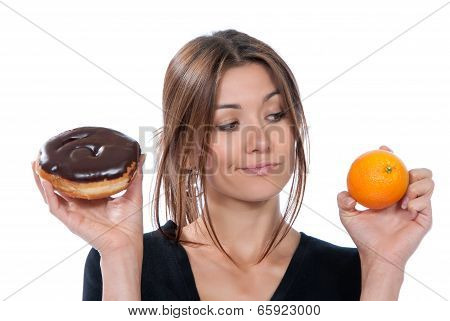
[251, 81]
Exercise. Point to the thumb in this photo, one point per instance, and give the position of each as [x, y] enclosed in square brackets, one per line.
[345, 202]
[135, 187]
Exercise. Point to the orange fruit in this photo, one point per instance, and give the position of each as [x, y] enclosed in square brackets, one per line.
[377, 179]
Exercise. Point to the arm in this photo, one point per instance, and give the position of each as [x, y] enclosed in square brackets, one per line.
[380, 281]
[121, 274]
[114, 228]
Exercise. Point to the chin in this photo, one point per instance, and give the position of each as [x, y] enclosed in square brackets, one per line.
[253, 192]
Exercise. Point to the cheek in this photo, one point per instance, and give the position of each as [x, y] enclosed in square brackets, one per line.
[220, 159]
[285, 151]
[215, 167]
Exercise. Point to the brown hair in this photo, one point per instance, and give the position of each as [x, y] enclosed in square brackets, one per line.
[189, 97]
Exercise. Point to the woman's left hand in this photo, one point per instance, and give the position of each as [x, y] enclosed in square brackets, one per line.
[391, 234]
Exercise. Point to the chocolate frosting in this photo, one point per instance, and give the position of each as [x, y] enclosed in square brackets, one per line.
[88, 154]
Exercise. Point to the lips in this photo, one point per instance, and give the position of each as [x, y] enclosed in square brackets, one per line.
[260, 169]
[260, 165]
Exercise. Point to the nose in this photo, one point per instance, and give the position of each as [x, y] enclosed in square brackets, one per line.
[256, 139]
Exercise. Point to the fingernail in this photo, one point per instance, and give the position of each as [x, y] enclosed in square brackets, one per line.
[405, 203]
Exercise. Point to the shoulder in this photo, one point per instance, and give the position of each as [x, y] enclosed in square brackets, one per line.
[159, 237]
[335, 265]
[160, 244]
[164, 266]
[331, 253]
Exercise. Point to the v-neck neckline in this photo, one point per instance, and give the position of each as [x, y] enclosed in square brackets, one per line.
[282, 288]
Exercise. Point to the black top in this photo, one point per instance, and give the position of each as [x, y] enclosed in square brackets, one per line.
[318, 271]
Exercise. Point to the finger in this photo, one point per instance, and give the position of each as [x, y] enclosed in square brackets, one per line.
[417, 174]
[57, 205]
[142, 161]
[38, 181]
[67, 198]
[134, 190]
[421, 204]
[346, 203]
[384, 147]
[418, 189]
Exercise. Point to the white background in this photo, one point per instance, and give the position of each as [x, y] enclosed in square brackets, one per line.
[397, 97]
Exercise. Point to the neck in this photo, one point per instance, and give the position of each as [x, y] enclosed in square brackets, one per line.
[243, 228]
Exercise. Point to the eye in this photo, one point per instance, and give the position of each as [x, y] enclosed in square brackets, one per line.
[232, 126]
[278, 116]
[228, 127]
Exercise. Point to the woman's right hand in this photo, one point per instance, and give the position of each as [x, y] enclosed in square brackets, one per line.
[109, 225]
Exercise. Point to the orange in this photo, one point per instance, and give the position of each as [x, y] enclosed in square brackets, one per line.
[377, 179]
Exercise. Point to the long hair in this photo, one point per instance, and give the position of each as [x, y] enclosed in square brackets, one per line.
[189, 97]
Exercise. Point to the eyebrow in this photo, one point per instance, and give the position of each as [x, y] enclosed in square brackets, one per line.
[237, 106]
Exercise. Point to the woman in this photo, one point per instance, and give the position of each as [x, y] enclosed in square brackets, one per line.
[234, 133]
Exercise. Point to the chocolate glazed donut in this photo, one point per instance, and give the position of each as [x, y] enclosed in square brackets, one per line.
[89, 162]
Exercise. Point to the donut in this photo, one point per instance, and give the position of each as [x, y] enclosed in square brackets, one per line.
[89, 162]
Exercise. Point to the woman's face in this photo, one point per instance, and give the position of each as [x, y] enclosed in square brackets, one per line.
[249, 131]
